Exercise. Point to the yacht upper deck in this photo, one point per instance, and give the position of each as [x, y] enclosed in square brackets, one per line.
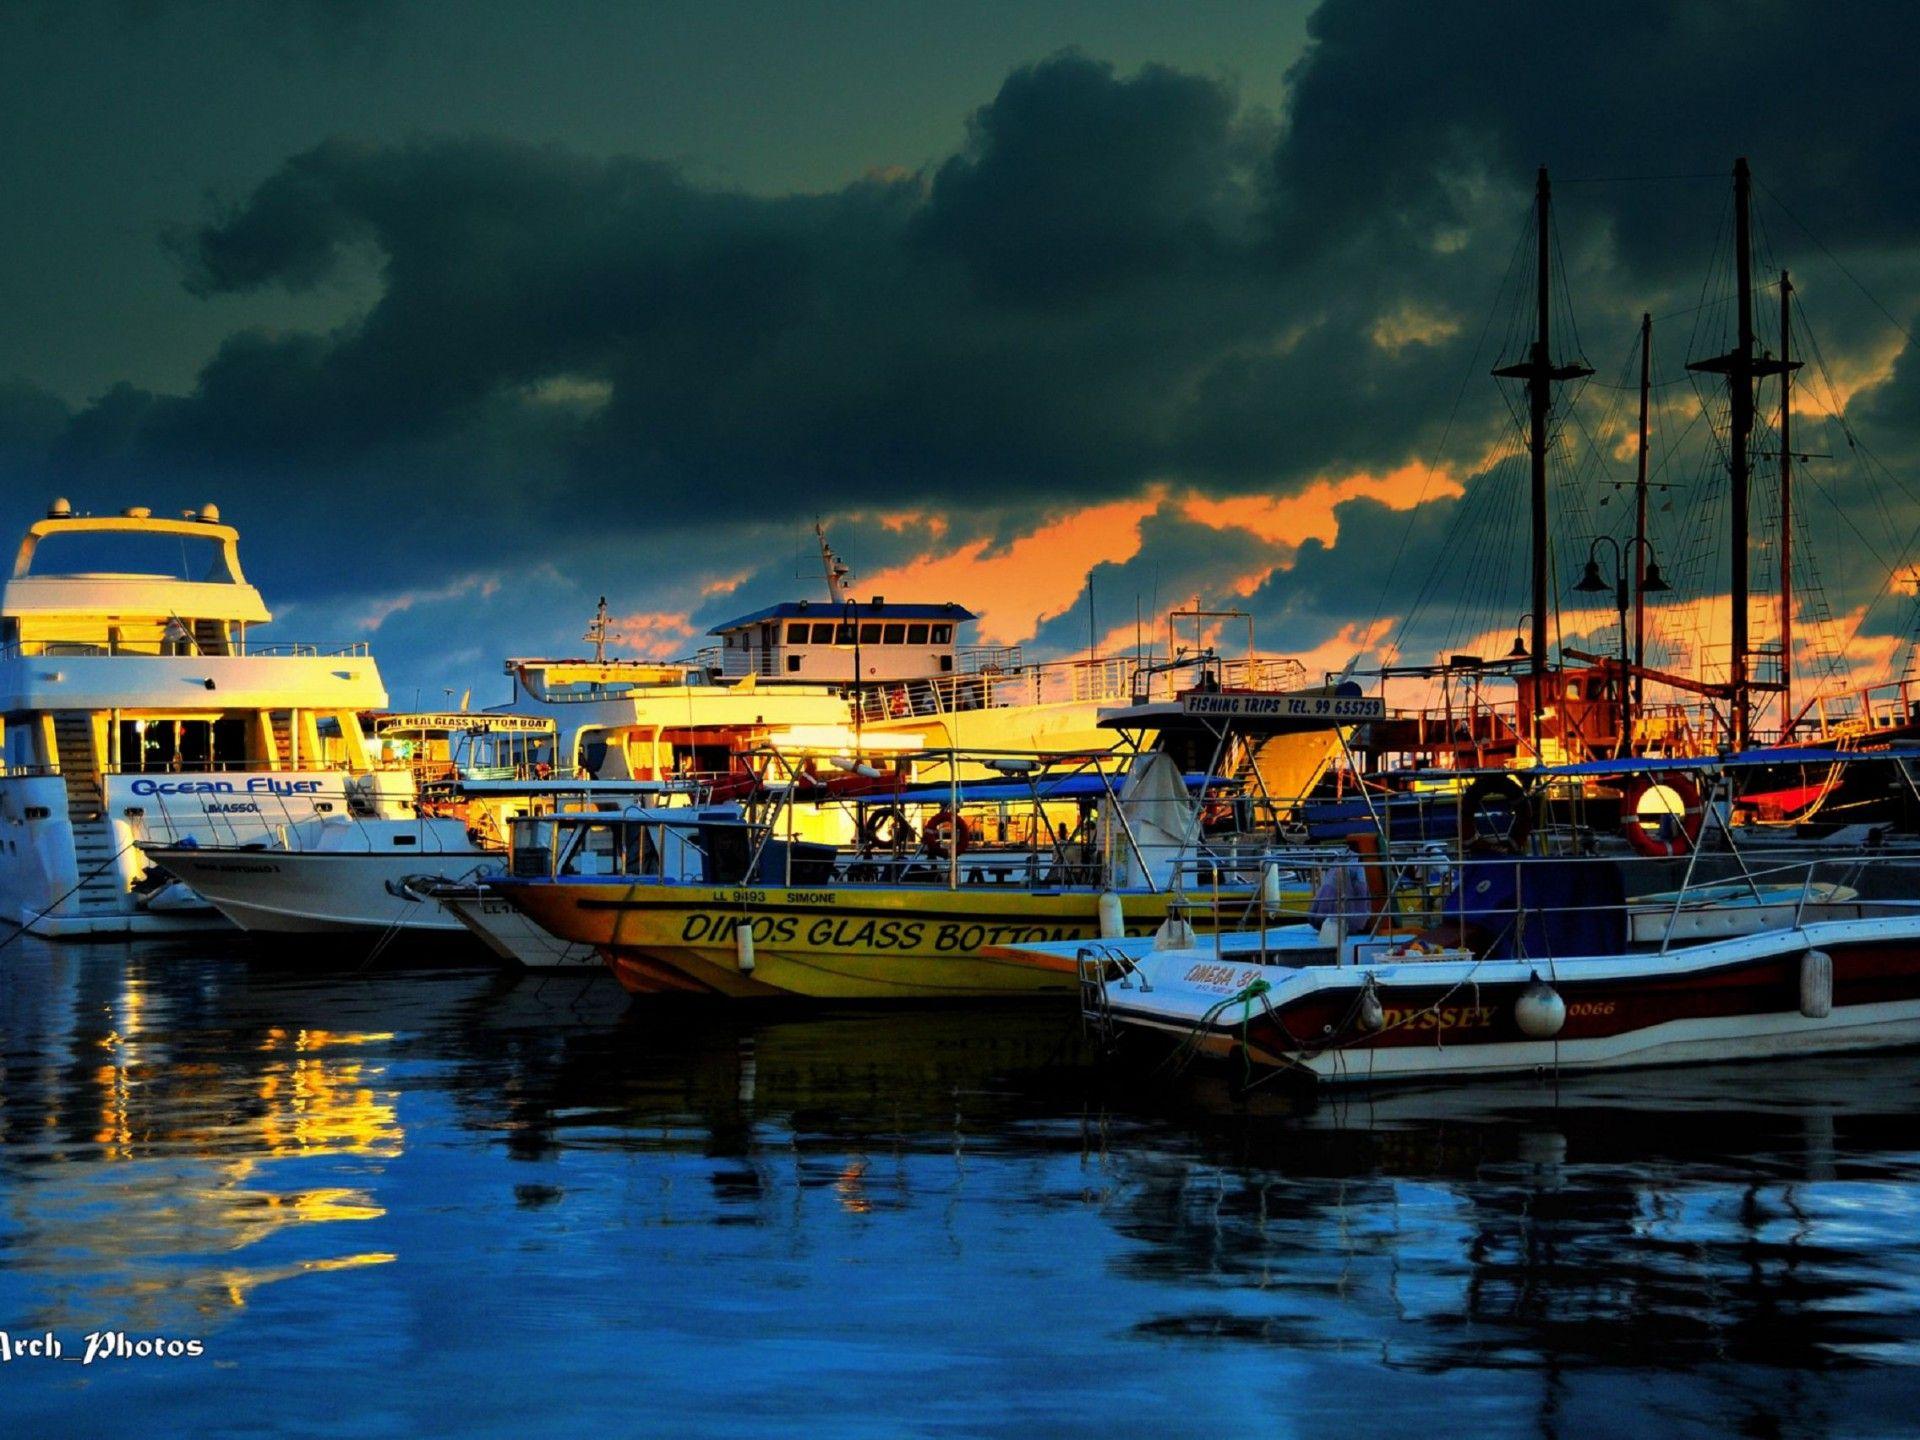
[106, 627]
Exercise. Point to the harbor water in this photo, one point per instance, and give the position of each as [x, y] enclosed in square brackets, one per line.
[456, 1202]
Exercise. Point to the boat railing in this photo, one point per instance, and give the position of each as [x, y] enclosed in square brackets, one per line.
[1417, 903]
[237, 647]
[1115, 680]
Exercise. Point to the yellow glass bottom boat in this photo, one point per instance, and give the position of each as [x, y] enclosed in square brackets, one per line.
[843, 941]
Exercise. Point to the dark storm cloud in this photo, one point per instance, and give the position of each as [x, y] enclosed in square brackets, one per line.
[1073, 185]
[1400, 107]
[1121, 280]
[979, 335]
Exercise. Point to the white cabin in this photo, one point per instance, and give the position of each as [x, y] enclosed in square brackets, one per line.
[843, 642]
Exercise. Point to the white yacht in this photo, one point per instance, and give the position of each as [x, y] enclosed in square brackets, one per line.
[135, 706]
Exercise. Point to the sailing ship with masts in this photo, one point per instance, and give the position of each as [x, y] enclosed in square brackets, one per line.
[1558, 950]
[1747, 688]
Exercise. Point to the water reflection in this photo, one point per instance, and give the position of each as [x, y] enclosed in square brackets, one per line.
[942, 1217]
[141, 1150]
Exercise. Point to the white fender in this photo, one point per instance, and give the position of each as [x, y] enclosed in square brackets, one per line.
[743, 945]
[1539, 1011]
[1816, 985]
[1113, 922]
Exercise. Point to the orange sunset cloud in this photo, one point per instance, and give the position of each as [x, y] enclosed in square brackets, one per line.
[653, 634]
[1019, 587]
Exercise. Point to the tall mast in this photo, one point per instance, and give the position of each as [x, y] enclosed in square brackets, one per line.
[1741, 367]
[1640, 525]
[1786, 505]
[1540, 373]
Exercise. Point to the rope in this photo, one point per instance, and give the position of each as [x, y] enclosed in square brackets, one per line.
[99, 869]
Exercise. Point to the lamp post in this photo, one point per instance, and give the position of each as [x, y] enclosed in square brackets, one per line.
[1519, 650]
[1594, 583]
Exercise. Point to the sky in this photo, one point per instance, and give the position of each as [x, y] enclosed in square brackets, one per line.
[470, 314]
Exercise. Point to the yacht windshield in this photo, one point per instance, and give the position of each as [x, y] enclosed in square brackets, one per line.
[171, 557]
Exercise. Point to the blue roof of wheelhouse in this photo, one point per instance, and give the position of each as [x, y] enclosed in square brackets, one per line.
[844, 610]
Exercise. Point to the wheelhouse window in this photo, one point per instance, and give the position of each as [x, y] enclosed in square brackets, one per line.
[796, 634]
[823, 634]
[943, 634]
[916, 634]
[843, 634]
[870, 633]
[895, 635]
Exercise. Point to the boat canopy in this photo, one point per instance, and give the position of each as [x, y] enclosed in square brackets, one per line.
[985, 792]
[853, 610]
[1259, 712]
[1651, 765]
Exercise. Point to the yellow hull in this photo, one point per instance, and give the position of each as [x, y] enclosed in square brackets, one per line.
[846, 942]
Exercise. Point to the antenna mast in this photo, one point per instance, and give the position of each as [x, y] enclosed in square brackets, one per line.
[1540, 373]
[839, 573]
[600, 631]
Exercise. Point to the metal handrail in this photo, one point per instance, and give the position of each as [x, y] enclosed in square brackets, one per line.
[235, 648]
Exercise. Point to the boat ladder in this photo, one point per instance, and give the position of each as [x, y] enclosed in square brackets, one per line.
[1098, 966]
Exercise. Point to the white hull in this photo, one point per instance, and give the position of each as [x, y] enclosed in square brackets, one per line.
[325, 892]
[69, 875]
[515, 938]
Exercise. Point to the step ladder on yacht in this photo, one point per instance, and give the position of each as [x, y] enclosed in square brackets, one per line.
[94, 845]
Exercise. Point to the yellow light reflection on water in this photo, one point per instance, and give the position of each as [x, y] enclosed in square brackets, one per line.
[189, 1150]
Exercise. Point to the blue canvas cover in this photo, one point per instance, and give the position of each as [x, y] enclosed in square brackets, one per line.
[1570, 907]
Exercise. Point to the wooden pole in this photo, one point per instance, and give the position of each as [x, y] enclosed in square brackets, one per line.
[1786, 505]
[1640, 520]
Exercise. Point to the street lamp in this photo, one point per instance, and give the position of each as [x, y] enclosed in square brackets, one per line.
[1594, 583]
[1519, 650]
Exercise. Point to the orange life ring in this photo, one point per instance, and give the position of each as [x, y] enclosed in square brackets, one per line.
[946, 835]
[1668, 842]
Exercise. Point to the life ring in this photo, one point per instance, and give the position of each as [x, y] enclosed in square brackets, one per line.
[946, 835]
[542, 770]
[897, 704]
[1496, 796]
[1666, 841]
[886, 828]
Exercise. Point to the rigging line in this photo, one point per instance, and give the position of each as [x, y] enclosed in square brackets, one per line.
[1406, 530]
[1634, 386]
[1873, 299]
[1636, 179]
[1859, 534]
[1566, 295]
[1838, 412]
